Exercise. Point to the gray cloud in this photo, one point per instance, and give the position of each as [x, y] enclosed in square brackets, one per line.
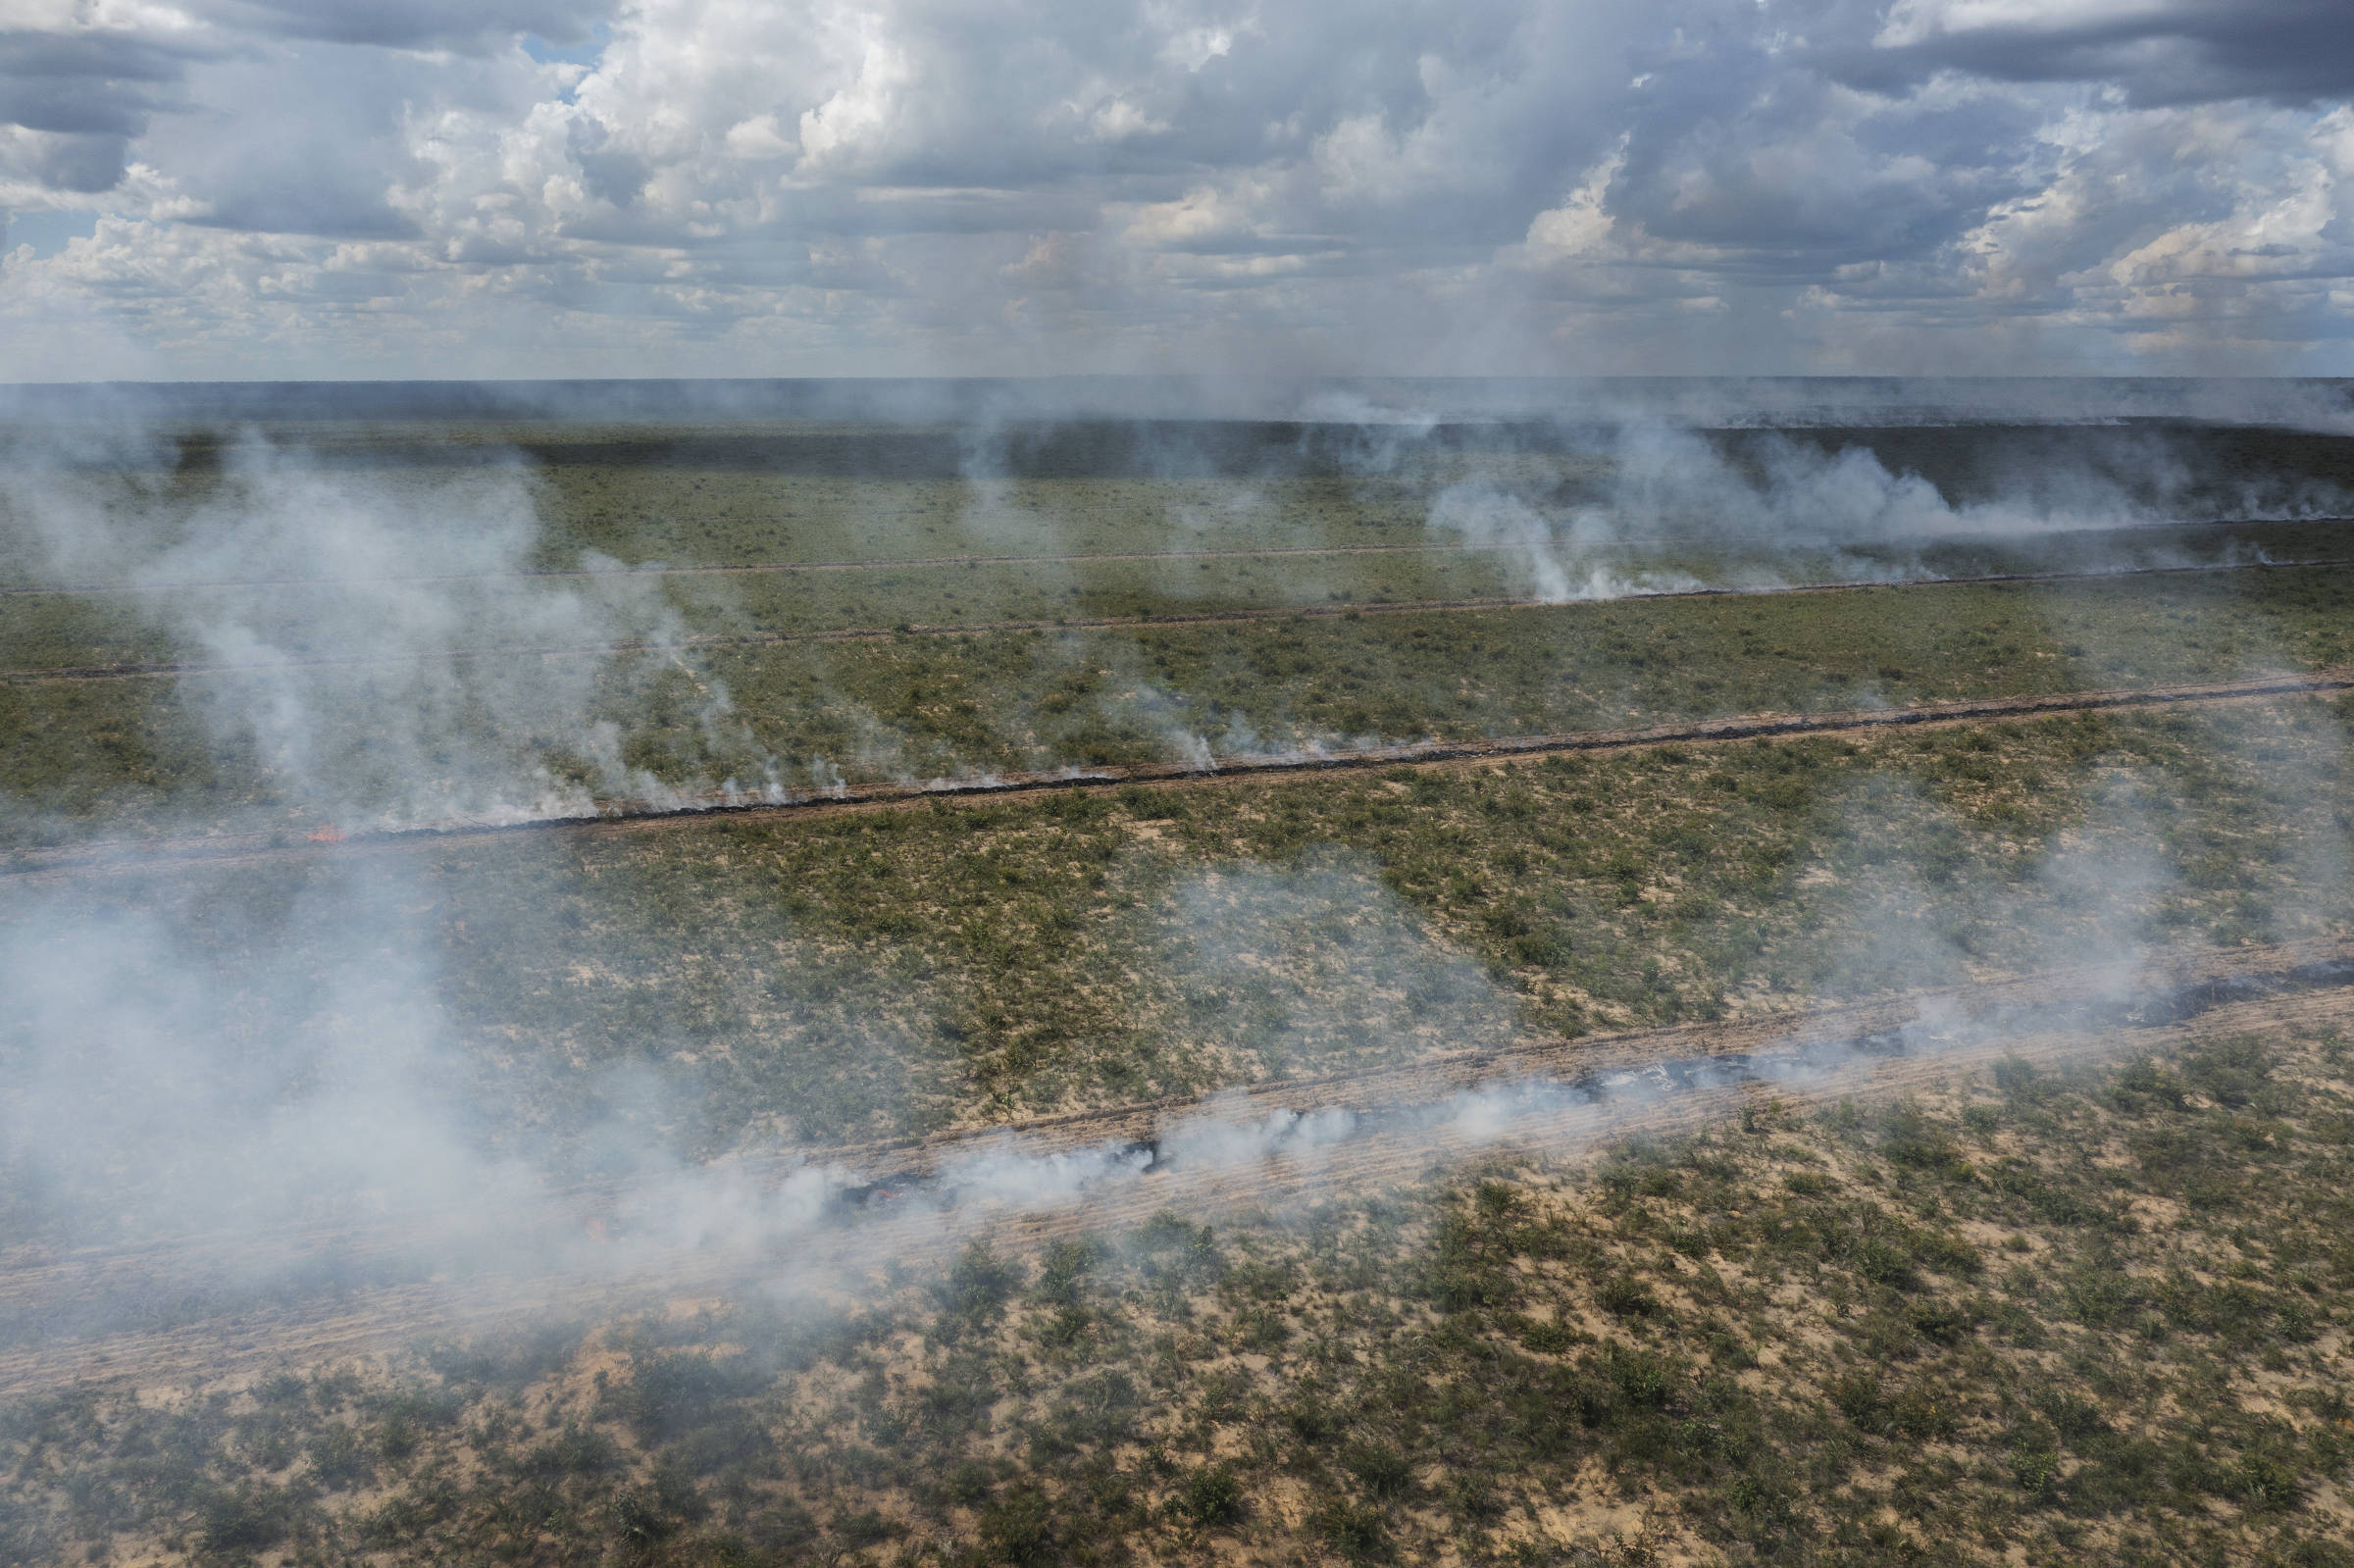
[2162, 52]
[85, 96]
[419, 24]
[1494, 184]
[92, 84]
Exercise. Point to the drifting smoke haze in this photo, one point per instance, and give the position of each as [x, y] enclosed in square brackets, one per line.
[413, 673]
[1629, 488]
[288, 1062]
[1814, 514]
[319, 1080]
[1179, 612]
[113, 418]
[418, 671]
[321, 1084]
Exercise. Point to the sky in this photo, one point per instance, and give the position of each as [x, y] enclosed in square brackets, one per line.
[454, 188]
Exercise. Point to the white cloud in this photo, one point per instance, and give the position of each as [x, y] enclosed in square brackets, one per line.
[683, 186]
[1196, 47]
[861, 115]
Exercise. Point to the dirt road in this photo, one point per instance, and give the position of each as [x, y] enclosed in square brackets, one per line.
[227, 1305]
[638, 816]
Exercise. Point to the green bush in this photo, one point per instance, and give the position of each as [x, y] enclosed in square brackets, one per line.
[1212, 1496]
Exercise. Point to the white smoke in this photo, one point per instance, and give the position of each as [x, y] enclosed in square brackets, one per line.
[1575, 559]
[1681, 511]
[376, 642]
[319, 1088]
[157, 1082]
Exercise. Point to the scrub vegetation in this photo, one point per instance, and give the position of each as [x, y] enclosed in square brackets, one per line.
[2090, 1317]
[704, 694]
[161, 756]
[753, 493]
[885, 972]
[2092, 1314]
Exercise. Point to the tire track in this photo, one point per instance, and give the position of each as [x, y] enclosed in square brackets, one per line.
[1320, 611]
[639, 814]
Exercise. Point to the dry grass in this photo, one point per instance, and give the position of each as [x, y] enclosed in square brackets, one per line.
[2097, 1317]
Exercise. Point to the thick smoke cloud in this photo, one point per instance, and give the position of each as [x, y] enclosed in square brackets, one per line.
[309, 1084]
[379, 645]
[290, 1061]
[319, 1088]
[1777, 511]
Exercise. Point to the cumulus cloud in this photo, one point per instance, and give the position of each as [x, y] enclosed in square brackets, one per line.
[717, 186]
